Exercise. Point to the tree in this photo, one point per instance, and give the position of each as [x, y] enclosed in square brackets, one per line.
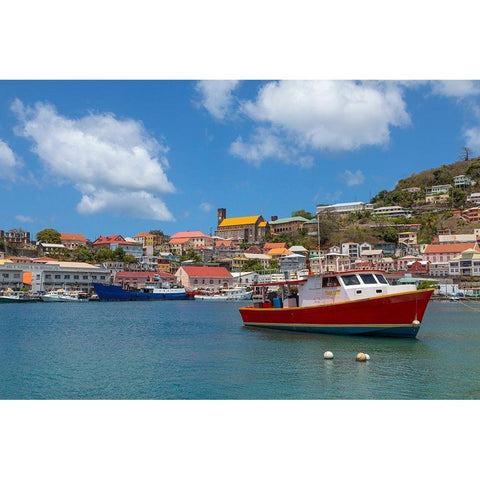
[302, 213]
[119, 253]
[252, 265]
[458, 197]
[390, 234]
[129, 259]
[465, 154]
[48, 235]
[104, 255]
[82, 254]
[191, 255]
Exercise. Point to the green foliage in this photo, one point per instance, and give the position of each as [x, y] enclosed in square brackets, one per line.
[128, 258]
[252, 265]
[458, 196]
[302, 213]
[426, 284]
[82, 254]
[191, 255]
[156, 232]
[48, 235]
[390, 234]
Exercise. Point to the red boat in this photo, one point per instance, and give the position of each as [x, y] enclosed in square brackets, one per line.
[349, 303]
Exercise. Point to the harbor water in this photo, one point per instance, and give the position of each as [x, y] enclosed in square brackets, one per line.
[200, 350]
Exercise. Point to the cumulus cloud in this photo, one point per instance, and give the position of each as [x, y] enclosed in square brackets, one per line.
[456, 88]
[353, 178]
[320, 115]
[8, 162]
[206, 207]
[216, 96]
[116, 164]
[24, 218]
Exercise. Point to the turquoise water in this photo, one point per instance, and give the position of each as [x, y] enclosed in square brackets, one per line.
[199, 350]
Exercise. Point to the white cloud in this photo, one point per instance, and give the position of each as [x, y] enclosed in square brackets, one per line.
[217, 96]
[24, 219]
[206, 207]
[353, 178]
[8, 162]
[336, 115]
[116, 164]
[472, 137]
[456, 88]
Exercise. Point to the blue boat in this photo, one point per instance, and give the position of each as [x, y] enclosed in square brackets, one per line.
[151, 291]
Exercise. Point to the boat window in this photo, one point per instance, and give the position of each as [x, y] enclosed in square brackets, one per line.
[381, 279]
[330, 282]
[368, 278]
[350, 280]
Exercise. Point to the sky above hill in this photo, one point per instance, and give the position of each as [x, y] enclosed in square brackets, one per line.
[107, 157]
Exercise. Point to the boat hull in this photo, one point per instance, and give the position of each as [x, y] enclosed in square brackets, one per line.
[395, 315]
[116, 293]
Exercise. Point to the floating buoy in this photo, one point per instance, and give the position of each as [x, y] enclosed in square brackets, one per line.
[361, 357]
[328, 355]
[416, 323]
[367, 356]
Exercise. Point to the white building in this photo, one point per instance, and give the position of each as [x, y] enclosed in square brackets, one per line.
[474, 198]
[462, 181]
[437, 189]
[51, 275]
[351, 249]
[11, 276]
[392, 211]
[344, 208]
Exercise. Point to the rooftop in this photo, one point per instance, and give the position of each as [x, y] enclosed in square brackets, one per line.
[206, 272]
[288, 220]
[236, 221]
[196, 234]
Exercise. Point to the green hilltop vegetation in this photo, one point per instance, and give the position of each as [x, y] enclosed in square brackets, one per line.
[365, 227]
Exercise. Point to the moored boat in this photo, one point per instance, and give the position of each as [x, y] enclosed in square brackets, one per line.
[235, 294]
[152, 291]
[64, 296]
[11, 296]
[348, 303]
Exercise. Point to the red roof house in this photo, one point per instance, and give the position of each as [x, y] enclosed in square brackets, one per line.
[204, 278]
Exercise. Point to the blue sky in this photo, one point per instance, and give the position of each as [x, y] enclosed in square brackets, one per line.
[107, 157]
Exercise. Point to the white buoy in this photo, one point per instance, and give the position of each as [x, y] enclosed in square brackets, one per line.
[328, 355]
[367, 356]
[416, 323]
[361, 357]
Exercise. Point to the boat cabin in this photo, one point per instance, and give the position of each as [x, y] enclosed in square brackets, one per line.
[329, 288]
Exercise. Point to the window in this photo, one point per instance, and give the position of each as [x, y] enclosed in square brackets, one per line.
[66, 277]
[94, 277]
[350, 280]
[48, 275]
[195, 281]
[16, 275]
[211, 282]
[5, 275]
[381, 279]
[102, 277]
[85, 277]
[368, 278]
[57, 276]
[330, 282]
[76, 277]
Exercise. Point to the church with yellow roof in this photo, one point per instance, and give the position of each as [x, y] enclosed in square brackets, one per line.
[251, 229]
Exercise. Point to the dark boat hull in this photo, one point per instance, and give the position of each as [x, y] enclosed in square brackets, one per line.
[116, 293]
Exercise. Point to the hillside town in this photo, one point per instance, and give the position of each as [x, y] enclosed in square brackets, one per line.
[247, 249]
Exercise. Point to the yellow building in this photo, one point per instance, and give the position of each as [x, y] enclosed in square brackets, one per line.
[250, 229]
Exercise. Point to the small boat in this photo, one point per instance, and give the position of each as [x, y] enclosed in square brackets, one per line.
[64, 296]
[357, 302]
[235, 294]
[157, 290]
[10, 296]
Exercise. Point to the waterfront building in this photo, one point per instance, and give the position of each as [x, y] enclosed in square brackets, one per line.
[445, 252]
[467, 264]
[205, 278]
[392, 211]
[462, 181]
[250, 229]
[244, 278]
[292, 263]
[404, 261]
[474, 198]
[336, 262]
[286, 225]
[48, 274]
[409, 238]
[437, 189]
[50, 248]
[437, 199]
[344, 208]
[11, 276]
[372, 256]
[73, 240]
[112, 242]
[16, 236]
[351, 249]
[439, 269]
